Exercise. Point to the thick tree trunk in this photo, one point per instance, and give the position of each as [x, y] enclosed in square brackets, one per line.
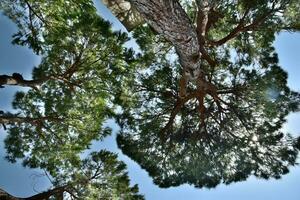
[124, 11]
[168, 18]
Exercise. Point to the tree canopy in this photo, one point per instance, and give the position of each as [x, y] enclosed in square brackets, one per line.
[69, 97]
[214, 113]
[201, 102]
[99, 176]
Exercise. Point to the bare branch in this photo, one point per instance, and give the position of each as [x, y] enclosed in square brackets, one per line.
[35, 13]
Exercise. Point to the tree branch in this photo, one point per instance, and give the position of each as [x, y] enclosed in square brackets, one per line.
[241, 27]
[41, 196]
[58, 192]
[35, 13]
[202, 19]
[17, 80]
[6, 196]
[178, 105]
[234, 32]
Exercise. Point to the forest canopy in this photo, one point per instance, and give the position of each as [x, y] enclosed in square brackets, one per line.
[202, 101]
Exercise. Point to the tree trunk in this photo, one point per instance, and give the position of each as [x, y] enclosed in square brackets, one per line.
[169, 19]
[124, 11]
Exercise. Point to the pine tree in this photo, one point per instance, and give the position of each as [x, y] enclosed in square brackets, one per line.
[211, 103]
[68, 99]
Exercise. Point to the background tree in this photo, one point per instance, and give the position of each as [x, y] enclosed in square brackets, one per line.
[99, 176]
[69, 98]
[220, 120]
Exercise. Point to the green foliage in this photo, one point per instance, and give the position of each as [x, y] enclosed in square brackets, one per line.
[240, 134]
[86, 73]
[39, 22]
[99, 176]
[292, 16]
[240, 139]
[83, 62]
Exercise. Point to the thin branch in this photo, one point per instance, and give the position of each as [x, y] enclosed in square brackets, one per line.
[35, 13]
[234, 32]
[178, 105]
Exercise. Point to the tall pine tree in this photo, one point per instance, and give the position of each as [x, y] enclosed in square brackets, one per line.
[210, 107]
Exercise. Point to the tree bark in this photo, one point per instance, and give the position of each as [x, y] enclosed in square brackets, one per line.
[58, 192]
[169, 19]
[124, 11]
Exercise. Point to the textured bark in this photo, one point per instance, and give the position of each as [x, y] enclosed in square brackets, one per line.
[169, 19]
[203, 25]
[124, 11]
[202, 19]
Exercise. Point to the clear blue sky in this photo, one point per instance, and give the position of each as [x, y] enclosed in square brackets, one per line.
[22, 182]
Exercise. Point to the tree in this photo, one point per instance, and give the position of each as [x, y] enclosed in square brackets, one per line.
[100, 176]
[221, 119]
[202, 103]
[69, 98]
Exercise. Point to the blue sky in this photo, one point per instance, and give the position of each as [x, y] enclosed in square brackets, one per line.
[21, 181]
